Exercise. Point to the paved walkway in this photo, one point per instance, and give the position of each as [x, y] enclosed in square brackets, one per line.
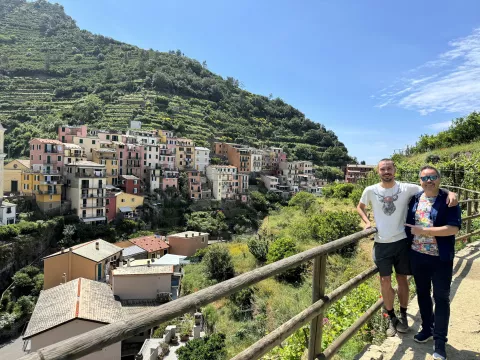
[464, 329]
[12, 349]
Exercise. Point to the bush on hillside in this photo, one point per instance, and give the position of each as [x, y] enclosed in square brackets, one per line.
[242, 302]
[338, 191]
[355, 196]
[332, 225]
[218, 263]
[280, 249]
[303, 200]
[207, 348]
[258, 247]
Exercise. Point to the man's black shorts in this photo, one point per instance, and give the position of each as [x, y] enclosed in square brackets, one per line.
[388, 255]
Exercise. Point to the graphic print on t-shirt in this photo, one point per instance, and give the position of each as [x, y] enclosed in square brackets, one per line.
[388, 206]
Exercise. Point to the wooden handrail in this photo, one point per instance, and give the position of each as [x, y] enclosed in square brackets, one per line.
[268, 342]
[94, 340]
[87, 343]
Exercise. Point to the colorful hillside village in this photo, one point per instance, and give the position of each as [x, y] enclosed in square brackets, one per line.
[102, 175]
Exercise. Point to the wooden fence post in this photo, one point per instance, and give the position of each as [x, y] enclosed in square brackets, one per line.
[475, 196]
[318, 291]
[469, 221]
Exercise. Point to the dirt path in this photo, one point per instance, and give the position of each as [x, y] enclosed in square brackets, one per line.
[464, 329]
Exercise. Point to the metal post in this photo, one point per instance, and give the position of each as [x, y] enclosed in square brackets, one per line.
[318, 291]
[469, 221]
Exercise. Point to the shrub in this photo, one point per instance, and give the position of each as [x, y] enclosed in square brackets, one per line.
[24, 305]
[8, 232]
[23, 283]
[339, 191]
[30, 270]
[332, 225]
[207, 348]
[283, 248]
[303, 200]
[243, 304]
[355, 196]
[258, 248]
[218, 263]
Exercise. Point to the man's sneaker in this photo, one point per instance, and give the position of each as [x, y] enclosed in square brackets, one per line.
[423, 336]
[392, 326]
[402, 325]
[440, 352]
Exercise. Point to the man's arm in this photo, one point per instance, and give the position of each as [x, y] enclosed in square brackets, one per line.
[446, 230]
[452, 198]
[363, 214]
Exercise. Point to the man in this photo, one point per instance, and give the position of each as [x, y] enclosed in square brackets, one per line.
[389, 200]
[431, 229]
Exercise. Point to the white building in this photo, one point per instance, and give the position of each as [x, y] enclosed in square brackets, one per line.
[256, 160]
[271, 182]
[8, 210]
[144, 137]
[202, 158]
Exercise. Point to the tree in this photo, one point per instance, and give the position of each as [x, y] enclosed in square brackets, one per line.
[78, 57]
[362, 162]
[218, 263]
[280, 249]
[30, 270]
[259, 202]
[161, 81]
[88, 108]
[329, 173]
[23, 283]
[207, 348]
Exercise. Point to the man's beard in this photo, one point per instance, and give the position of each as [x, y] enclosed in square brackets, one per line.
[389, 179]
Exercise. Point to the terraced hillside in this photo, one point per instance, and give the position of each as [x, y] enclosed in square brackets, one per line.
[52, 73]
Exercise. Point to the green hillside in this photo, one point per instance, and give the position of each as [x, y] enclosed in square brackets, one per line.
[51, 73]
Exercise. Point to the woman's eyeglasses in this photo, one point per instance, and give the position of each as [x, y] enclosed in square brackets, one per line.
[429, 177]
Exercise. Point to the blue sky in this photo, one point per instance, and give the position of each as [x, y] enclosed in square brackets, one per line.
[378, 73]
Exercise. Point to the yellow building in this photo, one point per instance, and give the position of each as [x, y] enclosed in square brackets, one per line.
[48, 191]
[185, 154]
[124, 201]
[88, 144]
[107, 157]
[12, 175]
[73, 153]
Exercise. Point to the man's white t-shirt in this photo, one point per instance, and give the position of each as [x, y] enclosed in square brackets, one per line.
[390, 208]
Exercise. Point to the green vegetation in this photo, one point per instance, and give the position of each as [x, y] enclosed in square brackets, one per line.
[251, 313]
[207, 348]
[18, 302]
[52, 73]
[463, 130]
[218, 263]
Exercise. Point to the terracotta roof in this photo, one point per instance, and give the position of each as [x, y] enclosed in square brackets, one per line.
[150, 243]
[89, 250]
[77, 299]
[143, 270]
[47, 141]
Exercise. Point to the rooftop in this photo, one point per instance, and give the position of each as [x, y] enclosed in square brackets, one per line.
[150, 243]
[188, 234]
[170, 259]
[133, 307]
[143, 270]
[77, 299]
[132, 250]
[89, 250]
[201, 148]
[24, 162]
[70, 146]
[360, 166]
[129, 177]
[47, 141]
[86, 163]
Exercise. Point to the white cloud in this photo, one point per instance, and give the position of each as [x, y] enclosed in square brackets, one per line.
[439, 126]
[449, 83]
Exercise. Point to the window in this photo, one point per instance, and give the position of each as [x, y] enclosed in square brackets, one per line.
[80, 141]
[108, 137]
[31, 157]
[39, 157]
[51, 197]
[123, 200]
[84, 213]
[133, 200]
[135, 190]
[107, 211]
[93, 142]
[33, 147]
[107, 202]
[9, 210]
[135, 182]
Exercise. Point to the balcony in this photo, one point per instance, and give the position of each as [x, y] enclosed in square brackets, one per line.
[96, 174]
[49, 192]
[50, 162]
[92, 194]
[50, 182]
[49, 171]
[90, 206]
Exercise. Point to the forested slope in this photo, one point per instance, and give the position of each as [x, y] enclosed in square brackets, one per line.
[52, 73]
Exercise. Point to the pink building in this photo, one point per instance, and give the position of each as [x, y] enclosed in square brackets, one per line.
[66, 133]
[130, 158]
[194, 184]
[169, 179]
[46, 155]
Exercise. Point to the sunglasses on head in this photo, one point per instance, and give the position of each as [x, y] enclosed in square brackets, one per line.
[429, 177]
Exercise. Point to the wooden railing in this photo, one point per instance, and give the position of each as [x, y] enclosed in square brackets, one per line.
[87, 343]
